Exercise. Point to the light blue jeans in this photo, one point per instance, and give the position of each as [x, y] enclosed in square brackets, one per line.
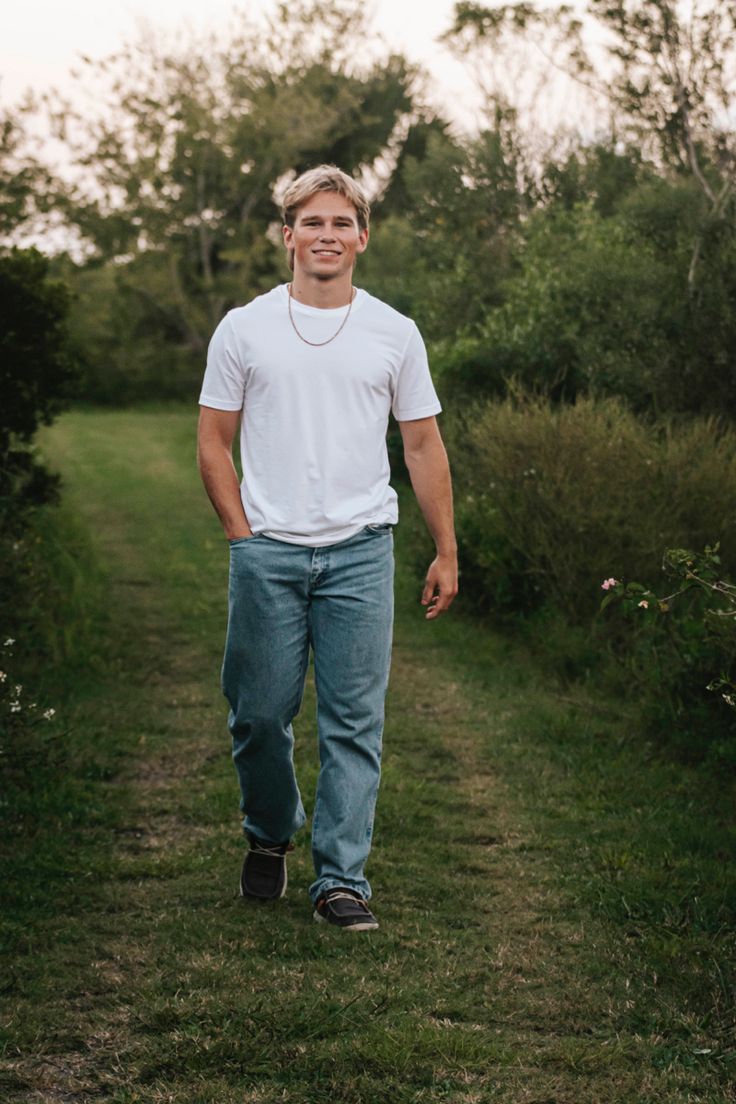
[338, 600]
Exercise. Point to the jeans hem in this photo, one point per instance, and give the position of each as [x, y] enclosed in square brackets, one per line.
[318, 888]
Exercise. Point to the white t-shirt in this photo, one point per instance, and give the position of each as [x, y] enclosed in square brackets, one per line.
[313, 430]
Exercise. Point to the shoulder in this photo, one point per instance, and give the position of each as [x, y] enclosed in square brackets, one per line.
[388, 318]
[262, 307]
[384, 311]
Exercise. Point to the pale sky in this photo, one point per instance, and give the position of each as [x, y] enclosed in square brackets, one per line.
[42, 39]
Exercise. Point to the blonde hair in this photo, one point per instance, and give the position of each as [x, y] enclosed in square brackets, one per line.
[324, 178]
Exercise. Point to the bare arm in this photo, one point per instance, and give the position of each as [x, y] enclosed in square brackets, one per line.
[429, 470]
[217, 428]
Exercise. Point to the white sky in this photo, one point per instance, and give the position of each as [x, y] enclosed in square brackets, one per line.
[42, 39]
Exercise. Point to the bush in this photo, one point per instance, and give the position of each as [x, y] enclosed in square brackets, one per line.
[687, 639]
[552, 500]
[37, 374]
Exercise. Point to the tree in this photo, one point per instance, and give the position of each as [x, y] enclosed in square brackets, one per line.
[27, 187]
[455, 206]
[669, 78]
[179, 165]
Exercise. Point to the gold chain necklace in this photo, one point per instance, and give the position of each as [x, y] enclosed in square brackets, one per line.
[339, 330]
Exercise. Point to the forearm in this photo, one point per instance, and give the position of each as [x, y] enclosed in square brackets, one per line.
[220, 481]
[429, 471]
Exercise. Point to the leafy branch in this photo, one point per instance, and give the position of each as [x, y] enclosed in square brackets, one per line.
[693, 572]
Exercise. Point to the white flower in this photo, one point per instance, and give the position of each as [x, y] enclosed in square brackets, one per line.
[18, 690]
[15, 707]
[8, 642]
[3, 676]
[48, 714]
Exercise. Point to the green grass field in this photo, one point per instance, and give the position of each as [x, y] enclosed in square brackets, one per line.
[556, 902]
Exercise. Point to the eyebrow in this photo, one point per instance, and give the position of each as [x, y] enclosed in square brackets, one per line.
[320, 218]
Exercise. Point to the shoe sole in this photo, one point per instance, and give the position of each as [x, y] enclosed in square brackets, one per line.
[360, 926]
[275, 897]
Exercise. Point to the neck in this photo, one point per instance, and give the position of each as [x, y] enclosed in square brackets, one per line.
[325, 294]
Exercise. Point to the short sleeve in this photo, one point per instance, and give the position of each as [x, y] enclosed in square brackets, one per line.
[414, 393]
[224, 383]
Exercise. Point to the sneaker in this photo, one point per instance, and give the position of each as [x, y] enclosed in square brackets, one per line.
[345, 909]
[264, 869]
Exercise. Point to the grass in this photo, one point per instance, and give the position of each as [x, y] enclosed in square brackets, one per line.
[556, 901]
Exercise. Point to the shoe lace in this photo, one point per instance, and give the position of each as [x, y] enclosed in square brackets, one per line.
[272, 852]
[338, 894]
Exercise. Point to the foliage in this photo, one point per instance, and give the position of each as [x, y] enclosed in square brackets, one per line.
[17, 713]
[552, 498]
[668, 70]
[37, 376]
[549, 498]
[700, 629]
[463, 204]
[669, 79]
[601, 305]
[27, 186]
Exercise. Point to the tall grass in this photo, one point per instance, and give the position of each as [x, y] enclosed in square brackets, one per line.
[52, 585]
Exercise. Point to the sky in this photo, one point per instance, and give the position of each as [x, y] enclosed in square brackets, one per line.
[42, 39]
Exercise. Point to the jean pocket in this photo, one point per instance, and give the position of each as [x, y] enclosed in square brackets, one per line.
[242, 540]
[384, 527]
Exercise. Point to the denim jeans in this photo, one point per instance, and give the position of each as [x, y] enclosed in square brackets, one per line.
[338, 600]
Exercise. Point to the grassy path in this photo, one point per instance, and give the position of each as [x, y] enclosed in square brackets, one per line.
[557, 923]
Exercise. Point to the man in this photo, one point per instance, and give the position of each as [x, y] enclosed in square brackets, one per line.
[311, 370]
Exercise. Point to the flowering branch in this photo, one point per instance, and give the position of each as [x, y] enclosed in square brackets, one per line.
[697, 572]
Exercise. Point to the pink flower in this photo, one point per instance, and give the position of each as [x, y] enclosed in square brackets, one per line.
[608, 583]
[644, 604]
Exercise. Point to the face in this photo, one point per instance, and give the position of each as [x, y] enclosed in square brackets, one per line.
[325, 237]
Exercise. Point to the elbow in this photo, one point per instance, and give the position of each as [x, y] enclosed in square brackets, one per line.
[428, 453]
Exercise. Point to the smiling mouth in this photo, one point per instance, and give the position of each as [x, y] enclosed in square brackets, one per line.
[325, 253]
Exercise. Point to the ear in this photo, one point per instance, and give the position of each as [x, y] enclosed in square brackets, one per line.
[288, 234]
[363, 236]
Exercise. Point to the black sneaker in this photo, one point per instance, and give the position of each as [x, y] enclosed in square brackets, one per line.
[346, 909]
[264, 869]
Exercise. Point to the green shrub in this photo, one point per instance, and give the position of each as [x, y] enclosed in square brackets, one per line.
[686, 637]
[552, 500]
[37, 373]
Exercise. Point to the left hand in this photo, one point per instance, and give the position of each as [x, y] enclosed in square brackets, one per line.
[440, 585]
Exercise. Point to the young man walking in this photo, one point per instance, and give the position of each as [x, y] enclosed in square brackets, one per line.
[311, 370]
